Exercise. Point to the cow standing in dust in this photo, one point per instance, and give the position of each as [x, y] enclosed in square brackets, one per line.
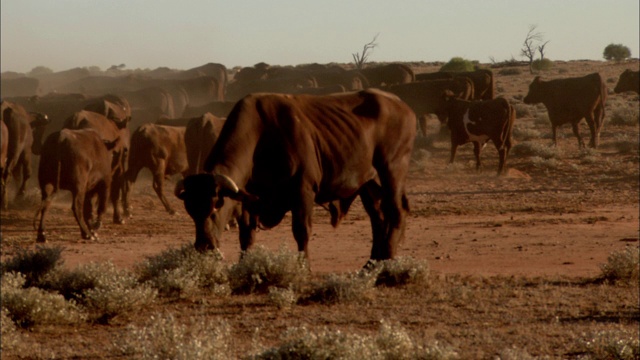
[569, 101]
[280, 153]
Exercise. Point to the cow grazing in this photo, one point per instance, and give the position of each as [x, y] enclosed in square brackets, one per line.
[478, 122]
[200, 135]
[161, 149]
[24, 138]
[279, 153]
[483, 81]
[569, 101]
[109, 131]
[629, 81]
[425, 97]
[78, 161]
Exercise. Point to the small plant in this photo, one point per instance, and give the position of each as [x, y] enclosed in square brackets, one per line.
[34, 265]
[402, 271]
[8, 332]
[458, 64]
[522, 111]
[603, 345]
[542, 64]
[31, 306]
[622, 266]
[535, 149]
[165, 338]
[617, 52]
[509, 71]
[259, 269]
[183, 272]
[344, 288]
[625, 116]
[282, 298]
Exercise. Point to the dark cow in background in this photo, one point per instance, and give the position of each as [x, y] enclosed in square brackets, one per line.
[569, 101]
[629, 81]
[478, 122]
[279, 153]
[78, 161]
[109, 131]
[425, 97]
[25, 131]
[483, 81]
[389, 74]
[22, 86]
[161, 149]
[217, 108]
[200, 135]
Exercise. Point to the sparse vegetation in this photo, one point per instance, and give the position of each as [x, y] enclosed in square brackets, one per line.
[343, 288]
[536, 149]
[625, 116]
[542, 64]
[458, 64]
[622, 266]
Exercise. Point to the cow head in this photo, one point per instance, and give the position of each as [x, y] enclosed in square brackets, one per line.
[204, 200]
[535, 92]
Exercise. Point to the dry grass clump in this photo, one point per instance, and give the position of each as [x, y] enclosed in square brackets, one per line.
[343, 288]
[524, 132]
[32, 306]
[391, 342]
[259, 269]
[536, 149]
[625, 116]
[34, 264]
[165, 338]
[183, 272]
[622, 266]
[604, 345]
[282, 298]
[402, 271]
[9, 335]
[522, 111]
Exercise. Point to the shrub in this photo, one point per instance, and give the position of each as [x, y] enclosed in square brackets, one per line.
[8, 332]
[343, 288]
[522, 111]
[524, 133]
[621, 345]
[391, 342]
[625, 116]
[535, 149]
[282, 298]
[31, 306]
[510, 71]
[34, 265]
[164, 338]
[458, 64]
[617, 52]
[622, 266]
[183, 271]
[541, 64]
[402, 271]
[259, 269]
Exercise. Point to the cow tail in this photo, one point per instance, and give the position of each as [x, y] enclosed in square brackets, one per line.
[509, 128]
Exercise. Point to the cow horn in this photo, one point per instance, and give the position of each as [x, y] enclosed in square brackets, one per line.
[226, 182]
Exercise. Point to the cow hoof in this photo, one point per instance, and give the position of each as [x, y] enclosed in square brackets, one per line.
[96, 225]
[119, 221]
[42, 238]
[171, 212]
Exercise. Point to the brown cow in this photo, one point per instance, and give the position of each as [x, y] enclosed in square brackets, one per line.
[483, 81]
[200, 135]
[217, 108]
[478, 122]
[629, 81]
[425, 97]
[4, 147]
[161, 149]
[389, 74]
[569, 101]
[25, 131]
[109, 131]
[78, 161]
[279, 153]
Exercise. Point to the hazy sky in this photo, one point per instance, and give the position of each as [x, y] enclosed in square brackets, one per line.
[181, 34]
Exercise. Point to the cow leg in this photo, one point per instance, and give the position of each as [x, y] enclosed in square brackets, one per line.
[247, 229]
[476, 151]
[595, 132]
[503, 151]
[76, 207]
[25, 164]
[454, 148]
[115, 191]
[101, 192]
[576, 131]
[129, 179]
[394, 205]
[87, 211]
[422, 123]
[554, 134]
[371, 195]
[301, 218]
[158, 185]
[47, 195]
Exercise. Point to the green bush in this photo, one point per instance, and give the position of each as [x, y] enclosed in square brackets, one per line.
[259, 269]
[31, 306]
[34, 264]
[458, 64]
[617, 52]
[165, 338]
[542, 64]
[184, 271]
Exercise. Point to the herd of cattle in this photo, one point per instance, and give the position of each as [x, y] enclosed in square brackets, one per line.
[272, 140]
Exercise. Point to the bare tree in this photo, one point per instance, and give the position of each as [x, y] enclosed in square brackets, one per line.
[359, 59]
[541, 49]
[529, 45]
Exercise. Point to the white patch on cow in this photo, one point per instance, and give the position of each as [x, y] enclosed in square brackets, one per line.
[481, 138]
